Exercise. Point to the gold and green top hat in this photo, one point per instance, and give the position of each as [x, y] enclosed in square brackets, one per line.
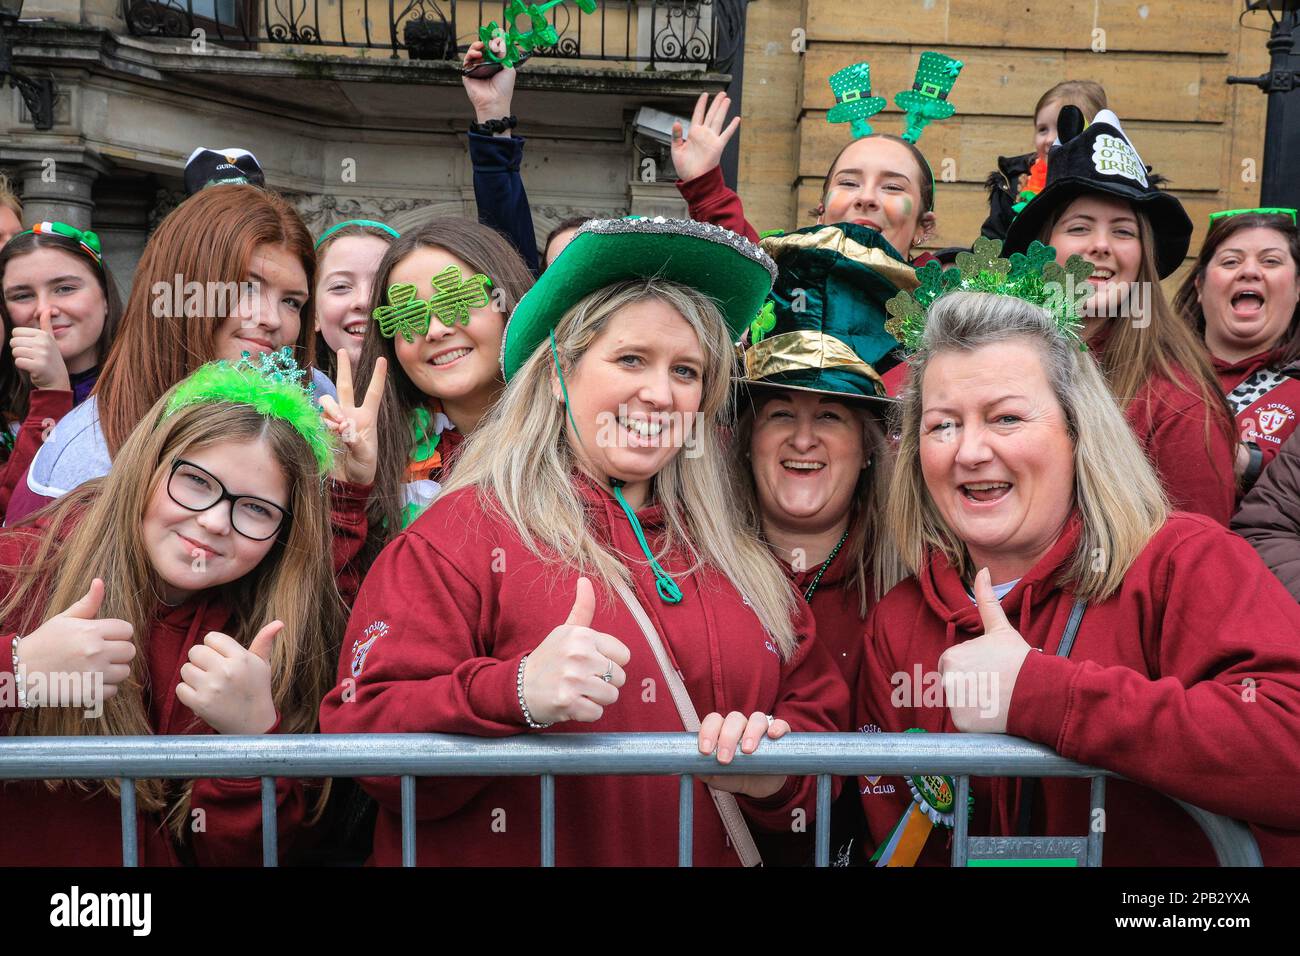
[823, 327]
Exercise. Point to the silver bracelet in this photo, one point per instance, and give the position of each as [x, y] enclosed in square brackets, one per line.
[519, 689]
[19, 682]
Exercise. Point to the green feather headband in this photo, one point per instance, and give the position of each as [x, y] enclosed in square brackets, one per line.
[1033, 276]
[273, 388]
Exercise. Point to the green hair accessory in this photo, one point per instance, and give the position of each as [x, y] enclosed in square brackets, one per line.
[367, 223]
[1033, 276]
[763, 323]
[854, 103]
[408, 315]
[87, 240]
[273, 387]
[927, 100]
[520, 44]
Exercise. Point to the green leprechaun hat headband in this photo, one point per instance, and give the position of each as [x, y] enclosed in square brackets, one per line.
[823, 327]
[273, 387]
[924, 103]
[1034, 276]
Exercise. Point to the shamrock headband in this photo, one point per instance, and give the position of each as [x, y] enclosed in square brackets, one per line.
[273, 387]
[925, 102]
[408, 315]
[88, 241]
[1034, 277]
[356, 222]
[519, 44]
[1262, 211]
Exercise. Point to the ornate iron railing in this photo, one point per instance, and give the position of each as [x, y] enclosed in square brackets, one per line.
[704, 34]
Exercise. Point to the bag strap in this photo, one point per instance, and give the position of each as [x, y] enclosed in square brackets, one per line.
[732, 819]
[1029, 786]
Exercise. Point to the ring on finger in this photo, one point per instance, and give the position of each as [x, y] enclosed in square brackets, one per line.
[609, 673]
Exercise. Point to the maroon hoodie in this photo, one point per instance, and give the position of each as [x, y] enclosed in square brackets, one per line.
[1186, 681]
[434, 644]
[70, 827]
[1270, 418]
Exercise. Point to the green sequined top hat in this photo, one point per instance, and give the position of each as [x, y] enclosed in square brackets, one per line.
[1101, 159]
[1034, 276]
[273, 387]
[854, 103]
[728, 268]
[823, 328]
[927, 100]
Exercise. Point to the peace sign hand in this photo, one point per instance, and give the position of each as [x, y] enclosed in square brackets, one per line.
[355, 425]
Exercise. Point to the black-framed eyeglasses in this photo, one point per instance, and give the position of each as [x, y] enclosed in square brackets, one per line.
[196, 489]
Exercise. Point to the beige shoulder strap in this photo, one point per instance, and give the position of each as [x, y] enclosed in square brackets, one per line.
[728, 809]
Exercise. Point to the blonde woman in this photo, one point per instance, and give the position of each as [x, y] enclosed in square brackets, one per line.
[189, 592]
[1021, 500]
[499, 611]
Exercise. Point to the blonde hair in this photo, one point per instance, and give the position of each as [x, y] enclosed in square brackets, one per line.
[95, 532]
[9, 197]
[1116, 491]
[875, 563]
[520, 461]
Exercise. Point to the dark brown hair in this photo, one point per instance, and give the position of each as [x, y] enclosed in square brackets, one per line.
[1187, 301]
[209, 239]
[15, 386]
[482, 249]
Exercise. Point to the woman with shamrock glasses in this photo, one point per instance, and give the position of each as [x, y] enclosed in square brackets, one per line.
[1056, 597]
[188, 592]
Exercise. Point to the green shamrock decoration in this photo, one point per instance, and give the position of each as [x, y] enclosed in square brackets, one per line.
[1033, 260]
[907, 320]
[406, 313]
[424, 440]
[520, 44]
[453, 298]
[983, 259]
[763, 323]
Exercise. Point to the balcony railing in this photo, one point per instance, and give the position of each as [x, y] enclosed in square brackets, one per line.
[409, 756]
[678, 34]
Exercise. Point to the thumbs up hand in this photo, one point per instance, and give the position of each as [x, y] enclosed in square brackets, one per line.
[78, 641]
[564, 678]
[228, 685]
[980, 674]
[36, 352]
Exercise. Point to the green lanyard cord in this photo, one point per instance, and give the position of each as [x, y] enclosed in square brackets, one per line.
[668, 590]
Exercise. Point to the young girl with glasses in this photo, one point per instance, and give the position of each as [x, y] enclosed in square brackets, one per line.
[186, 593]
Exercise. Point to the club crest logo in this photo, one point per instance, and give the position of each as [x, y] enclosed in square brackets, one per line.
[1271, 419]
[361, 646]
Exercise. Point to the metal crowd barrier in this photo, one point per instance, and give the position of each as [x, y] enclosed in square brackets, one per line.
[441, 755]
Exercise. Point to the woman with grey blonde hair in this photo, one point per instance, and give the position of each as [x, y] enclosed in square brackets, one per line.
[1057, 598]
[586, 565]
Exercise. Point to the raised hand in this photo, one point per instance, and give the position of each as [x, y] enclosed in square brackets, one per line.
[701, 151]
[77, 641]
[36, 352]
[720, 735]
[564, 678]
[984, 668]
[228, 685]
[355, 425]
[491, 97]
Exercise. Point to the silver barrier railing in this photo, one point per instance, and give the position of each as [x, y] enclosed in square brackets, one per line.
[547, 756]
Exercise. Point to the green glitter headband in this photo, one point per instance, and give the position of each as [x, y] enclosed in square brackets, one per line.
[273, 387]
[370, 223]
[1033, 276]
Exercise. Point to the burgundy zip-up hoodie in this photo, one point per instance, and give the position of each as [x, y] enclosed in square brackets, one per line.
[1186, 681]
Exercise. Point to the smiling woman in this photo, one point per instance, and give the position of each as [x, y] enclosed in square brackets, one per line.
[1025, 508]
[245, 251]
[589, 534]
[192, 592]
